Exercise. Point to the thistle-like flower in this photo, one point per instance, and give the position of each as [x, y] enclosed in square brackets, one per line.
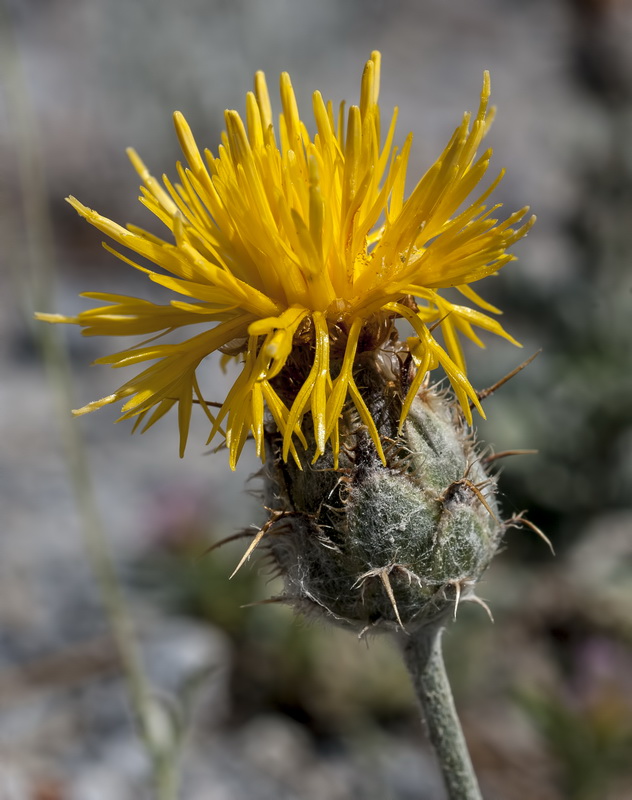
[296, 255]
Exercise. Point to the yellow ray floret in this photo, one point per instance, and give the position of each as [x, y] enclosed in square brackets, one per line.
[281, 239]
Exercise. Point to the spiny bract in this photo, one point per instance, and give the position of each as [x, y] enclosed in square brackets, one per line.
[376, 546]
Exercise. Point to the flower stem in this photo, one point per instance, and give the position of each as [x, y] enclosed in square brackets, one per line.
[424, 659]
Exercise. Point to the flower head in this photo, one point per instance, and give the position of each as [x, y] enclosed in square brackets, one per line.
[296, 254]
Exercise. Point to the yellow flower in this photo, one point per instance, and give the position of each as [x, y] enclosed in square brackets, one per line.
[296, 253]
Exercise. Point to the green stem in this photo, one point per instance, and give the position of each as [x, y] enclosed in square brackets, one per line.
[424, 659]
[36, 292]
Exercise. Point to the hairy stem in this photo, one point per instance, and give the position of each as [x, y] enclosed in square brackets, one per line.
[424, 659]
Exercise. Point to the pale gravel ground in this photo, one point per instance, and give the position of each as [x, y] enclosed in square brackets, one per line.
[103, 76]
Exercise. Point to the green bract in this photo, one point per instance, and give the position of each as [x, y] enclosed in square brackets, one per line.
[374, 546]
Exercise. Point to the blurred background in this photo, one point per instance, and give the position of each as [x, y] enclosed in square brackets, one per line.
[276, 707]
